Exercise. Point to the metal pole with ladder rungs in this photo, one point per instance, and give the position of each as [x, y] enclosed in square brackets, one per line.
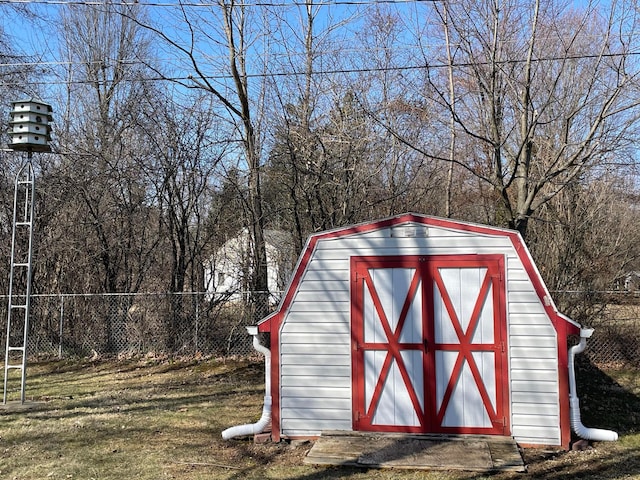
[20, 278]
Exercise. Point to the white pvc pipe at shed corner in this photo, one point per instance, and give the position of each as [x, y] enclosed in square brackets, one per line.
[587, 433]
[265, 419]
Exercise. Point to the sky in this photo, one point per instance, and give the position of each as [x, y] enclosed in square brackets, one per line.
[35, 36]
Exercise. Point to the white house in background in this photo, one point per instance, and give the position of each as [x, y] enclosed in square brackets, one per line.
[632, 281]
[229, 270]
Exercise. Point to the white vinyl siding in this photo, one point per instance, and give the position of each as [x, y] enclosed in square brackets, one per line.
[315, 338]
[533, 358]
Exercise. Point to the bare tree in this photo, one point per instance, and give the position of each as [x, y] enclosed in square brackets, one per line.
[329, 164]
[222, 37]
[182, 167]
[19, 75]
[588, 242]
[16, 66]
[105, 215]
[321, 173]
[444, 17]
[408, 180]
[544, 94]
[102, 147]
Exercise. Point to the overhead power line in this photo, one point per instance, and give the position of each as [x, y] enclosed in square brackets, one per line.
[256, 3]
[367, 51]
[345, 71]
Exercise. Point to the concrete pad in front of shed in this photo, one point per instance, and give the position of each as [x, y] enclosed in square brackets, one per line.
[419, 452]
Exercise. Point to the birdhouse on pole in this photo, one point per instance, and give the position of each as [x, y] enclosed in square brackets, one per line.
[30, 125]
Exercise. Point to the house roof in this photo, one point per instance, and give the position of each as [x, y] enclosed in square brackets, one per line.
[278, 239]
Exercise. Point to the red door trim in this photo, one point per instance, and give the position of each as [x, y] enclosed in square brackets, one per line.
[426, 270]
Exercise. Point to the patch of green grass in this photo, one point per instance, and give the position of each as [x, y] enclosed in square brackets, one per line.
[151, 419]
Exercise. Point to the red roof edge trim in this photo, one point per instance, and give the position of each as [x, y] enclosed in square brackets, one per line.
[541, 289]
[273, 320]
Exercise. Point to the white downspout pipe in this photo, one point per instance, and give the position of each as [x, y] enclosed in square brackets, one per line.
[587, 433]
[265, 419]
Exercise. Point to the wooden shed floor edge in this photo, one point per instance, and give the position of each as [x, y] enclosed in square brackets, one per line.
[417, 452]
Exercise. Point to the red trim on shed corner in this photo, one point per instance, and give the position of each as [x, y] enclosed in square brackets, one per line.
[563, 384]
[275, 378]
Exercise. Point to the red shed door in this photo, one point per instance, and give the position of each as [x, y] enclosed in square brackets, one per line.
[428, 344]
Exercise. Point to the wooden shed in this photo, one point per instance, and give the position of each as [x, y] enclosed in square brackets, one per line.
[423, 325]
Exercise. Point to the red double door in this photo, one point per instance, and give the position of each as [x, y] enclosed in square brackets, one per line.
[428, 344]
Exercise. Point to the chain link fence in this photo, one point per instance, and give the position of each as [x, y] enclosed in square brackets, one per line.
[615, 317]
[616, 339]
[188, 324]
[191, 324]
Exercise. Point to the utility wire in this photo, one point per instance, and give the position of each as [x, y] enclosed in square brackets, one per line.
[223, 76]
[212, 4]
[406, 47]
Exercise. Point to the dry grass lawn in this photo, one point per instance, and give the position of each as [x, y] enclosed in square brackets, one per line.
[160, 419]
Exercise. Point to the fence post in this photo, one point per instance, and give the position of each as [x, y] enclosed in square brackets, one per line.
[197, 300]
[61, 327]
